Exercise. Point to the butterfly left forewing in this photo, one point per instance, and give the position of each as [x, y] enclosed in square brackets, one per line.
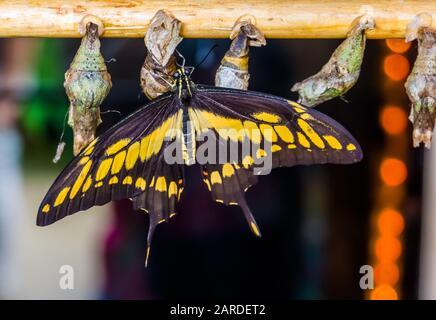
[122, 163]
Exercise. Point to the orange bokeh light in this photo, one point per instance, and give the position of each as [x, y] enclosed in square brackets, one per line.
[398, 45]
[386, 273]
[384, 292]
[390, 222]
[387, 249]
[393, 120]
[396, 66]
[393, 172]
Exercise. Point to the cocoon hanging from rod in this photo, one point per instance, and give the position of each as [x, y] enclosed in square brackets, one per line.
[342, 70]
[87, 83]
[421, 83]
[161, 41]
[233, 70]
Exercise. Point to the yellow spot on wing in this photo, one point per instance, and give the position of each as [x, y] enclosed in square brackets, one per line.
[90, 148]
[80, 179]
[113, 180]
[61, 196]
[296, 105]
[87, 184]
[268, 132]
[227, 128]
[313, 136]
[117, 146]
[144, 147]
[140, 183]
[351, 147]
[46, 208]
[132, 155]
[103, 169]
[215, 177]
[285, 134]
[267, 117]
[180, 193]
[207, 184]
[306, 116]
[252, 131]
[161, 184]
[275, 148]
[302, 140]
[84, 160]
[98, 184]
[172, 189]
[333, 142]
[260, 153]
[152, 143]
[128, 180]
[228, 170]
[292, 146]
[118, 163]
[247, 161]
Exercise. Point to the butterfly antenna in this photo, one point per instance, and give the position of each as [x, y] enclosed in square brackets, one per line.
[249, 217]
[207, 55]
[111, 111]
[183, 58]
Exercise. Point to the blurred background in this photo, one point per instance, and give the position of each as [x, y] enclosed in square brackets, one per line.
[320, 223]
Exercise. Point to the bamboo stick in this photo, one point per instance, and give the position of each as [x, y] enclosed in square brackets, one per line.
[211, 18]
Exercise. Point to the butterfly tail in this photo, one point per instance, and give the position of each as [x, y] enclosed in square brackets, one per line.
[249, 217]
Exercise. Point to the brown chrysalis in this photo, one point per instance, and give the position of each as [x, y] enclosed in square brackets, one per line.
[233, 71]
[161, 41]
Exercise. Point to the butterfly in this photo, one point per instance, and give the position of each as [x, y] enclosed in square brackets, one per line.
[143, 156]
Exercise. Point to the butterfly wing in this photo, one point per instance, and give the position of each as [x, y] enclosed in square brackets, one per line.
[125, 162]
[284, 130]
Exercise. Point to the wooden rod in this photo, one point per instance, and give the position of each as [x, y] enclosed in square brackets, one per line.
[210, 18]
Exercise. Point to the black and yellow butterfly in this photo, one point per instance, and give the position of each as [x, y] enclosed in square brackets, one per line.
[129, 160]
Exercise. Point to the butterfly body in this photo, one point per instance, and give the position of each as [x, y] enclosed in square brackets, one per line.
[139, 157]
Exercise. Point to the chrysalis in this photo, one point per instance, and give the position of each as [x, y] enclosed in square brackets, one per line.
[233, 71]
[341, 72]
[421, 86]
[87, 84]
[161, 41]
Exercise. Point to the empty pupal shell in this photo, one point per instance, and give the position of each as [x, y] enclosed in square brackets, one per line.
[341, 72]
[233, 71]
[161, 41]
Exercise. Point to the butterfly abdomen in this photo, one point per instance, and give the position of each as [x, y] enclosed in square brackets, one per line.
[188, 147]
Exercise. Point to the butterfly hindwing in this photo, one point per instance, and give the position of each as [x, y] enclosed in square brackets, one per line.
[124, 162]
[227, 183]
[284, 130]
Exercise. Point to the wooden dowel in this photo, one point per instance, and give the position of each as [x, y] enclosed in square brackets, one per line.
[210, 18]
